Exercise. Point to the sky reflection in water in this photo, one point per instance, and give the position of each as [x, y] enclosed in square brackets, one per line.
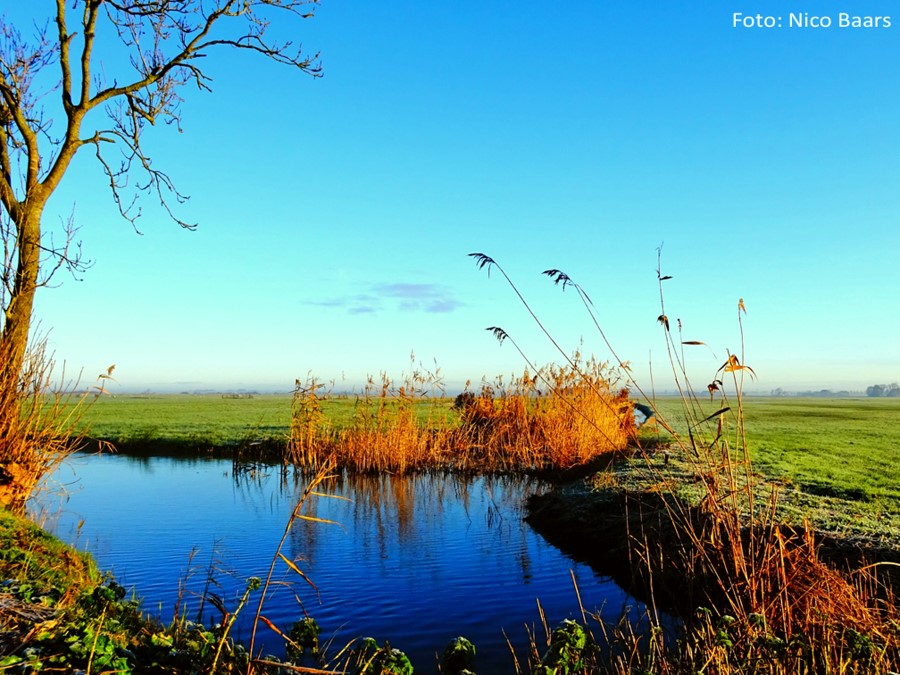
[415, 561]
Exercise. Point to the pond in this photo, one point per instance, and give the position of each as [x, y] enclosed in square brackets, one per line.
[412, 560]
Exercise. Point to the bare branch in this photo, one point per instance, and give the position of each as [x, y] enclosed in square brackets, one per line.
[67, 255]
[20, 62]
[55, 256]
[65, 41]
[149, 28]
[167, 40]
[156, 48]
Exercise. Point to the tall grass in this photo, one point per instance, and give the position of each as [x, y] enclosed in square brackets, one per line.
[556, 418]
[764, 599]
[39, 426]
[559, 417]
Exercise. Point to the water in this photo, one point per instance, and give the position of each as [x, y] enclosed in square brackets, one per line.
[415, 561]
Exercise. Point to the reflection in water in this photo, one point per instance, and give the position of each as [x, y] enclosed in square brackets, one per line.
[393, 512]
[415, 560]
[390, 513]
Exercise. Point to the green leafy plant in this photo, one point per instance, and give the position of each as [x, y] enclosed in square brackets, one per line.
[459, 657]
[568, 649]
[303, 637]
[372, 659]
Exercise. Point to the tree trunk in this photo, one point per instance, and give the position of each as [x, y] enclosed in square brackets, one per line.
[14, 340]
[17, 478]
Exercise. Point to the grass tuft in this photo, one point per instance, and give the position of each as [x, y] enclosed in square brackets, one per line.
[557, 418]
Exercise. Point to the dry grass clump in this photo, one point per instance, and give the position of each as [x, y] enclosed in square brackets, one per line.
[763, 599]
[718, 643]
[387, 432]
[563, 416]
[38, 423]
[558, 418]
[311, 436]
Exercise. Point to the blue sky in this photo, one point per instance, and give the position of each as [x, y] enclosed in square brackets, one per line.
[335, 215]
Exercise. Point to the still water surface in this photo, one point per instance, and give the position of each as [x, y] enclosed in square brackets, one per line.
[415, 561]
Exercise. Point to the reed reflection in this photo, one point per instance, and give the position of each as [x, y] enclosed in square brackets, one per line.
[412, 518]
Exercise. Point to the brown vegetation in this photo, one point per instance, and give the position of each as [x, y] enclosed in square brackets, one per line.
[37, 428]
[754, 592]
[555, 419]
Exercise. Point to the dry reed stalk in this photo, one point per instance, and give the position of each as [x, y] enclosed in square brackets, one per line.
[309, 492]
[39, 426]
[745, 562]
[311, 437]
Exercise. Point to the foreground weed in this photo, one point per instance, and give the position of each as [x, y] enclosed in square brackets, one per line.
[459, 657]
[309, 492]
[369, 658]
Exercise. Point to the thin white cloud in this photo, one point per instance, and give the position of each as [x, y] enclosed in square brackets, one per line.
[405, 297]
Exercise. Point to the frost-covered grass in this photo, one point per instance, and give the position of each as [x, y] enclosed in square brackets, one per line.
[841, 447]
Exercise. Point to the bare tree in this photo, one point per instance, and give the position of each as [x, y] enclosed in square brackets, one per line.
[58, 97]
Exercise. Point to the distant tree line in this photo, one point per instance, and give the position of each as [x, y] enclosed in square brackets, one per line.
[817, 393]
[876, 390]
[825, 393]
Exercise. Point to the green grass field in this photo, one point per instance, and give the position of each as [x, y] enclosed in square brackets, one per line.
[836, 460]
[834, 447]
[207, 420]
[201, 420]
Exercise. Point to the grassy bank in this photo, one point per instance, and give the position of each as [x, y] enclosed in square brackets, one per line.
[57, 612]
[834, 448]
[832, 461]
[773, 570]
